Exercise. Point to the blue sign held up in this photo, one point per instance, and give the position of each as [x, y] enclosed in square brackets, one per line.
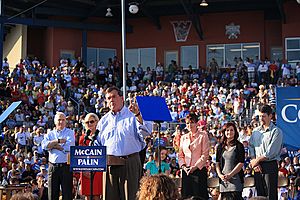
[88, 158]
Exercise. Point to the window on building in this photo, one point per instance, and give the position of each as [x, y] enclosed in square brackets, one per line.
[132, 58]
[227, 55]
[232, 53]
[250, 50]
[169, 56]
[277, 53]
[144, 56]
[189, 56]
[104, 54]
[92, 56]
[292, 50]
[98, 55]
[216, 52]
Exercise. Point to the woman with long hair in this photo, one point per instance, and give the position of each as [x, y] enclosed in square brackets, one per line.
[229, 164]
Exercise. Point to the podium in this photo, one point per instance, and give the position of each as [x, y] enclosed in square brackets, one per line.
[154, 108]
[88, 159]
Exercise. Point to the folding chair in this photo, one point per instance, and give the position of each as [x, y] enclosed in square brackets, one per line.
[249, 187]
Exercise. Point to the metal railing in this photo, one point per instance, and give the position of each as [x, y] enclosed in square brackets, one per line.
[78, 105]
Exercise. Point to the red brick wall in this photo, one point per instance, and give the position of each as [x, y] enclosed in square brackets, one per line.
[273, 34]
[253, 27]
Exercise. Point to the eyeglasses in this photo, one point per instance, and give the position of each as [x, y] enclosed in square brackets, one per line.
[90, 122]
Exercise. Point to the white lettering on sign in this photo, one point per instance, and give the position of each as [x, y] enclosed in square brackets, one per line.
[88, 152]
[85, 162]
[283, 113]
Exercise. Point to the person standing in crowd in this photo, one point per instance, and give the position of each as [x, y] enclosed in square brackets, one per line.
[229, 163]
[152, 167]
[90, 123]
[57, 142]
[265, 146]
[192, 157]
[21, 137]
[122, 131]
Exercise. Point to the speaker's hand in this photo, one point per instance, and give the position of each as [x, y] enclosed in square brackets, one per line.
[133, 107]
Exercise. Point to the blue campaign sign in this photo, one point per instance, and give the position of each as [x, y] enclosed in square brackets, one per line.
[288, 115]
[88, 158]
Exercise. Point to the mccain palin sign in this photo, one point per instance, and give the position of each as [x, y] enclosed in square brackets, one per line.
[288, 115]
[88, 158]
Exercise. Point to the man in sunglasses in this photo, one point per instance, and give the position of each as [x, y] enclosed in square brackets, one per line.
[122, 131]
[57, 142]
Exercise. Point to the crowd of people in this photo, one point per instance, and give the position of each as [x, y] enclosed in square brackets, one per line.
[202, 101]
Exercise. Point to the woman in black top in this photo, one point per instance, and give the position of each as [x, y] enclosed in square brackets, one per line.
[230, 161]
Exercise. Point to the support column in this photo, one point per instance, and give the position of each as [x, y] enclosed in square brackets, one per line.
[1, 35]
[84, 47]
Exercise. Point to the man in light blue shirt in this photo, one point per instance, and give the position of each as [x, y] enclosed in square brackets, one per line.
[265, 145]
[122, 131]
[57, 142]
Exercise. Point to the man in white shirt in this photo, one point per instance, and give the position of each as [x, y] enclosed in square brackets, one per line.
[36, 61]
[21, 138]
[262, 70]
[19, 117]
[286, 70]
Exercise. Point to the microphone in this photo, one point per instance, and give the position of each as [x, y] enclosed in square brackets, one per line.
[86, 137]
[95, 135]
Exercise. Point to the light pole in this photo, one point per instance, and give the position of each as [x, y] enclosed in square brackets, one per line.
[133, 8]
[123, 47]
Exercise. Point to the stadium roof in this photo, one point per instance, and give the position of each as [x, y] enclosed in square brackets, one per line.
[42, 12]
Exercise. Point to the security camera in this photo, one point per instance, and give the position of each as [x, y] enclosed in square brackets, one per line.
[133, 8]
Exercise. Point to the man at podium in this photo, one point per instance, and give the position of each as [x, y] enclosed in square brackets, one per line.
[122, 131]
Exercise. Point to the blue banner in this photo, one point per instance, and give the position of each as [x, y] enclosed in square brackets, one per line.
[288, 115]
[88, 158]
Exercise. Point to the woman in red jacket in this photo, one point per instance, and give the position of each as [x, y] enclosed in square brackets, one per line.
[90, 123]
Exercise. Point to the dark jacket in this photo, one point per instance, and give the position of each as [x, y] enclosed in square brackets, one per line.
[240, 157]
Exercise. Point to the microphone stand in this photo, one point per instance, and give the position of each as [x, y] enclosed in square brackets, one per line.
[92, 174]
[158, 145]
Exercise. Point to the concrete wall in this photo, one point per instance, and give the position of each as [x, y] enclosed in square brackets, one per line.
[15, 45]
